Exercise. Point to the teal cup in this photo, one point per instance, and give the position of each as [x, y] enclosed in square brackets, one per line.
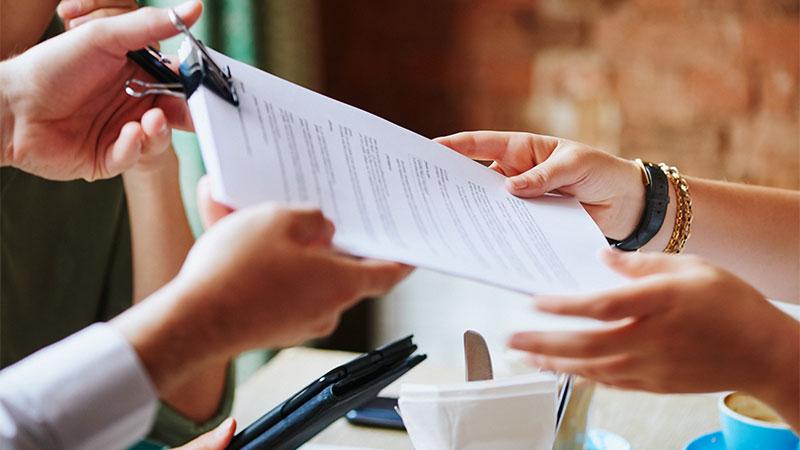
[745, 433]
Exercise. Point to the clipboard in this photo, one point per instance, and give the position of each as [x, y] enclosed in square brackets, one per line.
[197, 68]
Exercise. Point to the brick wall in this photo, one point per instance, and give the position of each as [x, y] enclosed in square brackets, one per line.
[709, 85]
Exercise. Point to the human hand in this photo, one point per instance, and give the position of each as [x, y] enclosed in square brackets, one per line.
[610, 188]
[682, 326]
[65, 113]
[76, 12]
[275, 266]
[216, 439]
[154, 153]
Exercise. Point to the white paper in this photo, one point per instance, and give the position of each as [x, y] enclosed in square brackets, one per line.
[392, 194]
[517, 413]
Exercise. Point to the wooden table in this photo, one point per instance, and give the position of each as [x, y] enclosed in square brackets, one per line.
[647, 421]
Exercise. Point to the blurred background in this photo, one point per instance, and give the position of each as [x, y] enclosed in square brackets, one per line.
[708, 85]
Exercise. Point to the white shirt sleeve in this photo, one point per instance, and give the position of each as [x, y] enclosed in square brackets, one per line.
[88, 391]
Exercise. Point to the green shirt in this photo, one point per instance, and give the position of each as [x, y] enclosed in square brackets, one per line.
[65, 262]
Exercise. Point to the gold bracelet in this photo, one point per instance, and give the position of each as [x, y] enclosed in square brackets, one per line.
[683, 212]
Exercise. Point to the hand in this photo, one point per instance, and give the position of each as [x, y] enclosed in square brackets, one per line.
[276, 265]
[682, 326]
[610, 188]
[66, 115]
[264, 276]
[76, 12]
[216, 439]
[154, 154]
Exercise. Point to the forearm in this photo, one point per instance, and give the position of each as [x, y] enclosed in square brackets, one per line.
[175, 339]
[161, 238]
[160, 233]
[751, 231]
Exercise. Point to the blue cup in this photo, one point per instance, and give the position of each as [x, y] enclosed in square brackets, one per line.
[745, 433]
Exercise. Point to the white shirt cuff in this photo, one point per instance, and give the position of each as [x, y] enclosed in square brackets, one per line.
[88, 391]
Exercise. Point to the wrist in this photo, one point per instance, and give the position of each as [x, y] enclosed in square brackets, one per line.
[633, 201]
[166, 332]
[659, 242]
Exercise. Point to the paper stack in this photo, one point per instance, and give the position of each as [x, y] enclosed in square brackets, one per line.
[513, 413]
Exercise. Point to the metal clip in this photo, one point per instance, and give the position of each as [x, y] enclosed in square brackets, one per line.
[199, 69]
[138, 88]
[212, 75]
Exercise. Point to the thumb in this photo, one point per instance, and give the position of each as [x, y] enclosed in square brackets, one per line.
[210, 210]
[145, 26]
[555, 172]
[216, 439]
[310, 227]
[640, 264]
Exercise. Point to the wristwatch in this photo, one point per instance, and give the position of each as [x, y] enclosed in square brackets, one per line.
[656, 201]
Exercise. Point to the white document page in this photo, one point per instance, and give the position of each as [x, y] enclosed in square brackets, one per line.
[391, 193]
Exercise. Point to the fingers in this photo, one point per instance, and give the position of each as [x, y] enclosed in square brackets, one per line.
[157, 132]
[482, 145]
[555, 172]
[99, 14]
[70, 9]
[376, 277]
[216, 439]
[587, 344]
[634, 300]
[602, 369]
[123, 153]
[133, 31]
[641, 264]
[176, 111]
[210, 210]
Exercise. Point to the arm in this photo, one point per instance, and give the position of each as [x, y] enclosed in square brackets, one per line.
[245, 284]
[160, 240]
[45, 401]
[160, 233]
[98, 389]
[749, 230]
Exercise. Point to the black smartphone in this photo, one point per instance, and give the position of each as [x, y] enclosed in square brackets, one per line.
[379, 413]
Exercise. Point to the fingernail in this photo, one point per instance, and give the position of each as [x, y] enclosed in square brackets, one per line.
[518, 183]
[164, 128]
[185, 7]
[611, 255]
[225, 427]
[68, 9]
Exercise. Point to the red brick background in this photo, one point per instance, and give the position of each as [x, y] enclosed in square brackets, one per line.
[708, 85]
